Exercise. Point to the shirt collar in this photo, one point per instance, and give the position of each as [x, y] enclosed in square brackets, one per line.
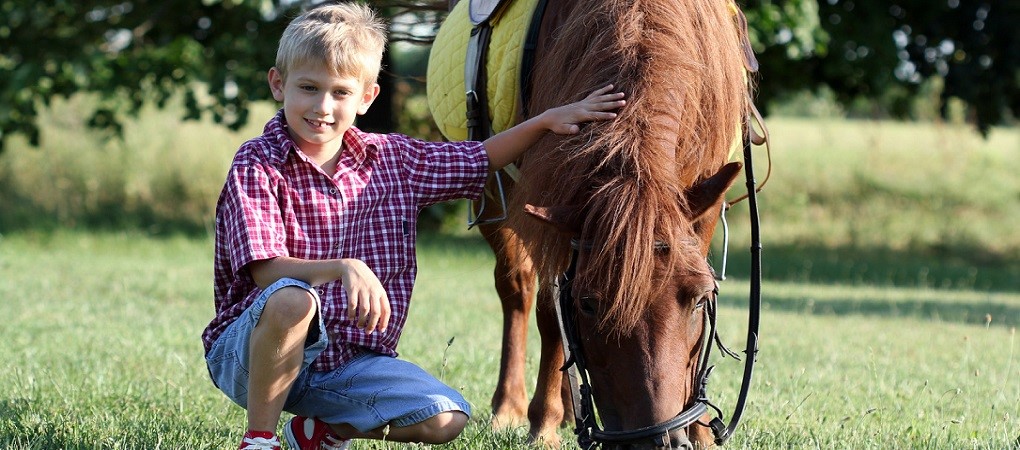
[280, 142]
[358, 145]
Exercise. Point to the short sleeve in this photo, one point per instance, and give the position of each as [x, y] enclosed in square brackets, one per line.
[442, 171]
[250, 223]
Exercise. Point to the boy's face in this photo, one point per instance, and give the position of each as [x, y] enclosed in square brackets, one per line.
[320, 106]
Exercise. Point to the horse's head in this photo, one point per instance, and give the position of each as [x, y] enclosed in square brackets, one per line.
[641, 354]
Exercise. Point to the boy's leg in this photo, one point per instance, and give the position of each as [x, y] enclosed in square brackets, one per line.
[277, 350]
[252, 362]
[372, 391]
[438, 429]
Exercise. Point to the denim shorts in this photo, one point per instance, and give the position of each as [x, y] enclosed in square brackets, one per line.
[367, 392]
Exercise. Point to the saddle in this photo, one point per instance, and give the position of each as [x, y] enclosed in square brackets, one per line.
[480, 11]
[495, 42]
[480, 65]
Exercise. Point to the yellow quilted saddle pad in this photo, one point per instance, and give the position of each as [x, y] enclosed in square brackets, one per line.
[445, 86]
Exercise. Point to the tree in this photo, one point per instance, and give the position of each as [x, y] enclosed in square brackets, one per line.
[132, 52]
[128, 52]
[883, 48]
[215, 53]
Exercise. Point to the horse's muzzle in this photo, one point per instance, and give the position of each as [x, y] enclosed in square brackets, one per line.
[675, 440]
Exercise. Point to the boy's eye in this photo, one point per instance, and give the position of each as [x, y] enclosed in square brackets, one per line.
[308, 88]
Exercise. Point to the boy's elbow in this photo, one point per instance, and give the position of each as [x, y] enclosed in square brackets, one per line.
[261, 272]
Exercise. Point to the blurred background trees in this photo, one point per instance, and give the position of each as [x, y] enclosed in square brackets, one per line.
[879, 55]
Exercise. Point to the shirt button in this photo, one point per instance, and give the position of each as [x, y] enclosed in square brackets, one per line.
[319, 291]
[332, 191]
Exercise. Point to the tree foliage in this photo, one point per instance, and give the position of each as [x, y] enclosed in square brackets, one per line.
[884, 50]
[215, 52]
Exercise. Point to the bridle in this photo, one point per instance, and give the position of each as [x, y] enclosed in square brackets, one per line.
[589, 433]
[587, 428]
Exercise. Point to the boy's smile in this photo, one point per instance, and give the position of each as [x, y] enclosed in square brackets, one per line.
[320, 106]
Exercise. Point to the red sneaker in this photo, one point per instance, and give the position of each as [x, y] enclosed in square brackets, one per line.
[307, 433]
[259, 440]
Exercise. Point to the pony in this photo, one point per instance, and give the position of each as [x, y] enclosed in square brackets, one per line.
[629, 205]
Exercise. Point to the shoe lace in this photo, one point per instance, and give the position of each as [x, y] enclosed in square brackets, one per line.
[332, 442]
[260, 443]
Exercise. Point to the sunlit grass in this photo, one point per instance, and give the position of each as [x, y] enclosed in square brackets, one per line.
[904, 186]
[102, 350]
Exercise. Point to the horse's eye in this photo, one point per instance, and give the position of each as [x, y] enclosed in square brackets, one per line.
[701, 302]
[586, 304]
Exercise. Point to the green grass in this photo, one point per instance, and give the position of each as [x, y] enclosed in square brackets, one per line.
[102, 350]
[892, 294]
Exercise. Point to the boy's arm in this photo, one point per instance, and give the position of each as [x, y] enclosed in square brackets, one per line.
[367, 300]
[504, 148]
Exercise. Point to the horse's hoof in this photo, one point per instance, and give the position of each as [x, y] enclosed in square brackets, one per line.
[546, 440]
[505, 421]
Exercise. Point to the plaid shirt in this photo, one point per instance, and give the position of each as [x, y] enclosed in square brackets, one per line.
[277, 202]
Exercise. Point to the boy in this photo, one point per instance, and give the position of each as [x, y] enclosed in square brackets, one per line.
[314, 257]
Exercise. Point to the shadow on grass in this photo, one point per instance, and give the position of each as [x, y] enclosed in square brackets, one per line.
[924, 305]
[961, 269]
[966, 287]
[962, 287]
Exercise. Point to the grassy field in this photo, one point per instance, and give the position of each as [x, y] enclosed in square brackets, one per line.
[892, 292]
[102, 350]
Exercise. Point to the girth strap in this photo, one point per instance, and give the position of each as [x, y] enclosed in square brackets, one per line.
[483, 14]
[478, 124]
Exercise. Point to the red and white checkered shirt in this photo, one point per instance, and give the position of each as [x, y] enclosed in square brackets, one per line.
[277, 202]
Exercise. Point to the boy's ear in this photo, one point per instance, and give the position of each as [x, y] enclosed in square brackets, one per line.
[368, 97]
[276, 83]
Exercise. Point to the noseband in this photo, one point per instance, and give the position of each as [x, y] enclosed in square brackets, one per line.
[589, 434]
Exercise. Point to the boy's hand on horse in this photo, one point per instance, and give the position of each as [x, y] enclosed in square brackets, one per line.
[504, 148]
[598, 105]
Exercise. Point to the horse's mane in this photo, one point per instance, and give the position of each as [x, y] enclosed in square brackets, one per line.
[679, 62]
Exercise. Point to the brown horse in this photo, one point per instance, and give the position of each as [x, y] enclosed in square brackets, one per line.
[639, 196]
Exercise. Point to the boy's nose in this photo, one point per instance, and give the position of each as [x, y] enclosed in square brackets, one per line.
[325, 104]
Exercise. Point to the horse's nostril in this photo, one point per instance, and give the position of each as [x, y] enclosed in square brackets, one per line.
[680, 442]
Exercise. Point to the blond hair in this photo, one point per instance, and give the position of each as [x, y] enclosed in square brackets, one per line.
[348, 38]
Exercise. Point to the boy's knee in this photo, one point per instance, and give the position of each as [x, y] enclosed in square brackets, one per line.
[289, 306]
[445, 427]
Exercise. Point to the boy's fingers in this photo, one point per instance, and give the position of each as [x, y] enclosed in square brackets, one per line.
[371, 319]
[600, 91]
[384, 323]
[611, 104]
[384, 313]
[376, 316]
[352, 305]
[356, 306]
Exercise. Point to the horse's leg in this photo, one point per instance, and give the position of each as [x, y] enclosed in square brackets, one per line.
[515, 284]
[547, 406]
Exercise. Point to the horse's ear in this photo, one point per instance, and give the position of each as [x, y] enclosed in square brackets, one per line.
[706, 194]
[563, 218]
